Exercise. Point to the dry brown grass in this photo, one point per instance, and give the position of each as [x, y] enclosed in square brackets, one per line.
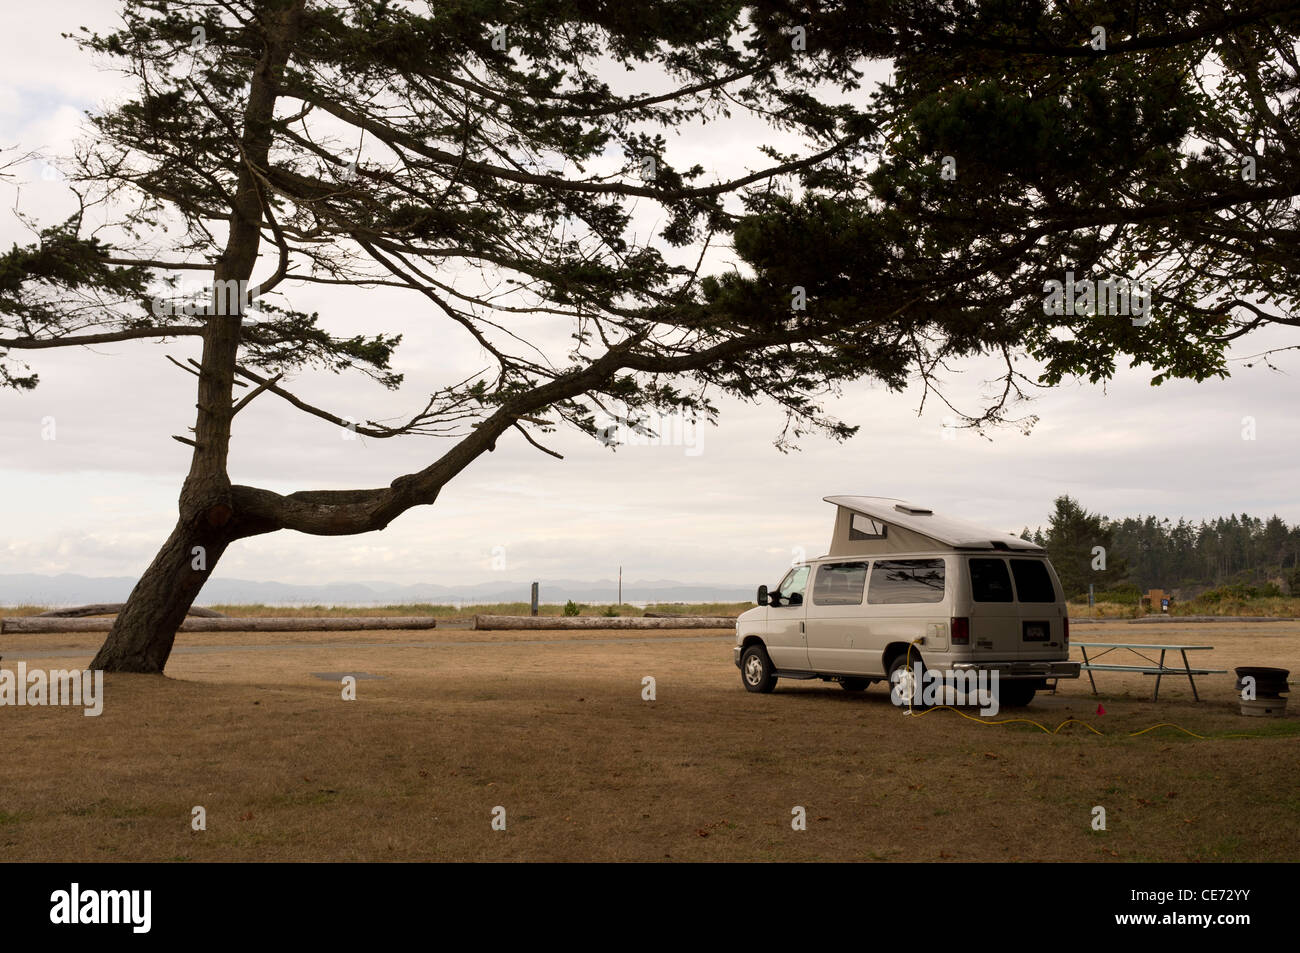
[1263, 607]
[1105, 610]
[552, 726]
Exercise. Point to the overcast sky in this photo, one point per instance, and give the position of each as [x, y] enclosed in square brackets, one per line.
[725, 508]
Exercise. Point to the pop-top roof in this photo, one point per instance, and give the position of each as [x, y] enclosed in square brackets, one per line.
[956, 533]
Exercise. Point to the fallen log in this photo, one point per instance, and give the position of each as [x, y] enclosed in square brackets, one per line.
[36, 624]
[600, 622]
[676, 615]
[1170, 619]
[113, 608]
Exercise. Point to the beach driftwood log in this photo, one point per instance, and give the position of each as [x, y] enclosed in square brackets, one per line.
[37, 624]
[600, 622]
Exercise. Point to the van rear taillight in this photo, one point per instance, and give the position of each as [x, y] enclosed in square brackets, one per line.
[1067, 630]
[960, 630]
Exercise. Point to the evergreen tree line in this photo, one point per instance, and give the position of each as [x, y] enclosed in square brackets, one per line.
[1122, 557]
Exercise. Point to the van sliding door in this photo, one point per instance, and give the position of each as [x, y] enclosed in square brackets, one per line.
[837, 632]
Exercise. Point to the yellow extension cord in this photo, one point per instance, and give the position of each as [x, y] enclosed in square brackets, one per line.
[1041, 727]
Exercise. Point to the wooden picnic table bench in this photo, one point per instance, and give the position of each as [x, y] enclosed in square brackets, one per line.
[1152, 667]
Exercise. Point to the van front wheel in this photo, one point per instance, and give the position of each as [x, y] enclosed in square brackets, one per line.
[756, 670]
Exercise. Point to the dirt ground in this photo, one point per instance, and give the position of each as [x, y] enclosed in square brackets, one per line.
[552, 727]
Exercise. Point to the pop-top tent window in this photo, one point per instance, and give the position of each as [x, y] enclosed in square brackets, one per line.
[864, 527]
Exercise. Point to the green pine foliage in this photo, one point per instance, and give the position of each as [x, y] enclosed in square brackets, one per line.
[1238, 556]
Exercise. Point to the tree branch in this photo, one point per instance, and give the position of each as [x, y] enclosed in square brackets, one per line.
[105, 337]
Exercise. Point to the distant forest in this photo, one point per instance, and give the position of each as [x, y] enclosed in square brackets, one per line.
[1147, 552]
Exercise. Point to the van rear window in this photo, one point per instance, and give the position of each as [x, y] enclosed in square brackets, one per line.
[1033, 581]
[990, 581]
[840, 584]
[897, 581]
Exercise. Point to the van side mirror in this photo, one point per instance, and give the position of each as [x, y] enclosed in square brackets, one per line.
[762, 595]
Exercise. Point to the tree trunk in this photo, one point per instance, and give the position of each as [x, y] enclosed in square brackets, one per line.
[142, 635]
[143, 632]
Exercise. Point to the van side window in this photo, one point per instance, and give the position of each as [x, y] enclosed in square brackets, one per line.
[840, 584]
[896, 581]
[795, 582]
[990, 581]
[1033, 582]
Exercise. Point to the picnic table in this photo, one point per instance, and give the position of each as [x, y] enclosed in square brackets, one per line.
[1152, 667]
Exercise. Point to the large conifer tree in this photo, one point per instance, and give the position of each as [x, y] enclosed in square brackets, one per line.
[272, 143]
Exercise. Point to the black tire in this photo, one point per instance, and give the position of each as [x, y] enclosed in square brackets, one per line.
[855, 684]
[756, 672]
[898, 666]
[1016, 694]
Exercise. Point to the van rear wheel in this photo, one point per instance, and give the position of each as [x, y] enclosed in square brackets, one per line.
[756, 670]
[1016, 694]
[905, 689]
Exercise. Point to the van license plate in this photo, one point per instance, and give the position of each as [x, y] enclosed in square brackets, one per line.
[1037, 631]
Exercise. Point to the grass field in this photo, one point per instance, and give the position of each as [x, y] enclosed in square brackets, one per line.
[555, 730]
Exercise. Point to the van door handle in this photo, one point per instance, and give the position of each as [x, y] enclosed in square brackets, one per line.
[801, 628]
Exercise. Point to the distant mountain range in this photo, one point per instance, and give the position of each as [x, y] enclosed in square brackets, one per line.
[68, 589]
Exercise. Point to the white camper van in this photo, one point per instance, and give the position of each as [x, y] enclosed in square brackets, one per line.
[966, 599]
